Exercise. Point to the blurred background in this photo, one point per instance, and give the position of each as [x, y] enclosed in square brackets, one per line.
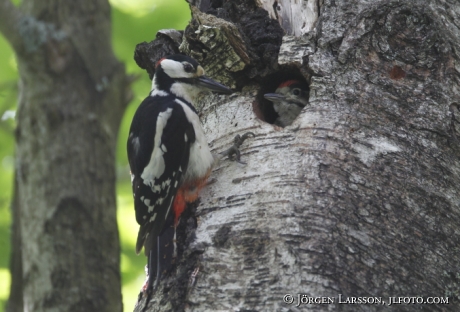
[133, 21]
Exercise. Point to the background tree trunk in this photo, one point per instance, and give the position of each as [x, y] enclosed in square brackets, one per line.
[360, 197]
[73, 93]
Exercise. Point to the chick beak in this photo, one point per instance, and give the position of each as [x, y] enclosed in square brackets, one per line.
[274, 97]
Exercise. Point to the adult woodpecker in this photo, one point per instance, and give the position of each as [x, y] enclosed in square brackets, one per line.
[288, 101]
[169, 157]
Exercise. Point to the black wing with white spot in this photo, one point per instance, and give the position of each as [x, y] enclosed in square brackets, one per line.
[158, 155]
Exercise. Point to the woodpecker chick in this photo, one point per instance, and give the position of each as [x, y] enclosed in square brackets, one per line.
[288, 101]
[169, 158]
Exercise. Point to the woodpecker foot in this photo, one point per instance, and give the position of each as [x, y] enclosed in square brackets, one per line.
[192, 280]
[234, 150]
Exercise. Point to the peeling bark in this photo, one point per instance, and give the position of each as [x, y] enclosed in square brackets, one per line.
[296, 17]
[360, 196]
[73, 93]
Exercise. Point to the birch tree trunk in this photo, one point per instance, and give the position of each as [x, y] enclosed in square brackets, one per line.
[360, 196]
[73, 93]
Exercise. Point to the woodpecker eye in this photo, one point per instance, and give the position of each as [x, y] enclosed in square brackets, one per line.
[296, 91]
[188, 67]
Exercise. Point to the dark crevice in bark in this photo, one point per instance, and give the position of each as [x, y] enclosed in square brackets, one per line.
[262, 35]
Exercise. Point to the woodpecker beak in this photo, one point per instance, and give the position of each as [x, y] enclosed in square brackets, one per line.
[212, 85]
[274, 97]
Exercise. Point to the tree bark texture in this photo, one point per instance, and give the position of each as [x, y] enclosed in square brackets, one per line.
[73, 93]
[360, 196]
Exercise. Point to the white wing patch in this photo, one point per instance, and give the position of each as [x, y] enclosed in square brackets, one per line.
[156, 165]
[156, 188]
[166, 183]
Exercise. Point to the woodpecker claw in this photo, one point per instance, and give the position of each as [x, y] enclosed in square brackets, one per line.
[234, 149]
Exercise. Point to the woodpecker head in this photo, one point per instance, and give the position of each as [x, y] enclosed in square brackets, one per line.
[184, 77]
[290, 97]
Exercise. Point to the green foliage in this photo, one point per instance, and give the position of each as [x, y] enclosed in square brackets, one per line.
[133, 22]
[8, 96]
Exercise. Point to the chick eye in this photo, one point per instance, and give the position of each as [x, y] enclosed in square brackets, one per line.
[188, 68]
[296, 92]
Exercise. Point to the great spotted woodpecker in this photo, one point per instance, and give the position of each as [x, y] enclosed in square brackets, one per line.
[288, 101]
[169, 157]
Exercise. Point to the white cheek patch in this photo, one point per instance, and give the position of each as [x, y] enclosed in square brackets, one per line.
[175, 69]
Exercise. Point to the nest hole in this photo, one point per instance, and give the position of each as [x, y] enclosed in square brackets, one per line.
[262, 107]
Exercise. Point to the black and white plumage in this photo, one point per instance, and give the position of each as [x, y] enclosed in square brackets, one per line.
[288, 101]
[169, 156]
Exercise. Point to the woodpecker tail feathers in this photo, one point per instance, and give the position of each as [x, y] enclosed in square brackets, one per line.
[161, 253]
